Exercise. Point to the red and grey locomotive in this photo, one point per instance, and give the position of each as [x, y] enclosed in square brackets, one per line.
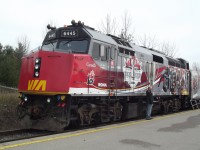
[81, 77]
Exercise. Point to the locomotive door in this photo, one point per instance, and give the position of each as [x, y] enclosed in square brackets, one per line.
[150, 72]
[112, 72]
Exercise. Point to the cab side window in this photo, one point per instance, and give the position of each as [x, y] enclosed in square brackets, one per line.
[104, 53]
[96, 51]
[100, 51]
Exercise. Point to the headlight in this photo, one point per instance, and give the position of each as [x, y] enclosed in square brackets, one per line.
[25, 99]
[37, 60]
[36, 74]
[48, 100]
[36, 66]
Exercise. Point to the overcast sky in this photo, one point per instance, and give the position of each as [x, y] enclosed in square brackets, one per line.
[174, 21]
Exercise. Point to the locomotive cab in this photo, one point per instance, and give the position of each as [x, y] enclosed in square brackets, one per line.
[46, 75]
[72, 39]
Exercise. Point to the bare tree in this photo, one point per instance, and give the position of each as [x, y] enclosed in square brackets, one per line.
[109, 25]
[126, 32]
[196, 66]
[196, 73]
[148, 42]
[152, 43]
[168, 49]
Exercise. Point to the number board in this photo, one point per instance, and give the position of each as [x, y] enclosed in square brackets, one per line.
[51, 35]
[69, 33]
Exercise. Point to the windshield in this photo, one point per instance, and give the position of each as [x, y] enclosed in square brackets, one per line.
[50, 46]
[78, 46]
[68, 46]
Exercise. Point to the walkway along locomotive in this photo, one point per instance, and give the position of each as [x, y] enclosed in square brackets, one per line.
[81, 77]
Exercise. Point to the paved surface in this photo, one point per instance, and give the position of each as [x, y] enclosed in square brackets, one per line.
[173, 132]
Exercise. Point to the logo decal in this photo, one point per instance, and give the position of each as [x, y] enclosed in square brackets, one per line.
[91, 65]
[132, 71]
[37, 85]
[91, 76]
[102, 84]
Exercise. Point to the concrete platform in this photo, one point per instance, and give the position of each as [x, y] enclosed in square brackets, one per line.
[179, 131]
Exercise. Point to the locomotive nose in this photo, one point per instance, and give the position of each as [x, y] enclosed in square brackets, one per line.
[41, 71]
[55, 68]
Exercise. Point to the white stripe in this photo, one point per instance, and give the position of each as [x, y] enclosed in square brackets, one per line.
[99, 91]
[10, 88]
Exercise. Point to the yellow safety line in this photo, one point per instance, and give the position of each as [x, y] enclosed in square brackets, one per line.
[92, 131]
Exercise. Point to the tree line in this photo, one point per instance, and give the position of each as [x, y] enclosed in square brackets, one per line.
[10, 62]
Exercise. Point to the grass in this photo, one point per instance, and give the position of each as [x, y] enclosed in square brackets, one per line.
[8, 103]
[8, 97]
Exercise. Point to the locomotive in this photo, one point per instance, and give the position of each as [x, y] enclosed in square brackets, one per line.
[81, 76]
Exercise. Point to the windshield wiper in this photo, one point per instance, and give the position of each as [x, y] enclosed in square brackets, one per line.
[67, 42]
[52, 43]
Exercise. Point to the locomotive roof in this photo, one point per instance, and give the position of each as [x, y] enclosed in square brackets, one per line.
[100, 36]
[148, 51]
[112, 40]
[97, 35]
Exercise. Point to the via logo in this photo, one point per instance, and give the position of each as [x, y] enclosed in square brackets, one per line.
[37, 85]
